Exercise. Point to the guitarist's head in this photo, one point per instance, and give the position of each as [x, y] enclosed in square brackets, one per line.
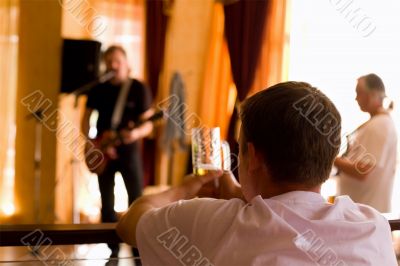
[116, 60]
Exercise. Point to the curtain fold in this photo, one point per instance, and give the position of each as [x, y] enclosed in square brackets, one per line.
[215, 97]
[156, 28]
[244, 28]
[272, 67]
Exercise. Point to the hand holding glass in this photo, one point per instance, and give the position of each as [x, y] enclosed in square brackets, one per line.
[208, 151]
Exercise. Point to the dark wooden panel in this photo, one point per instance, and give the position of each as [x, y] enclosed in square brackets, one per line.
[394, 224]
[57, 234]
[70, 234]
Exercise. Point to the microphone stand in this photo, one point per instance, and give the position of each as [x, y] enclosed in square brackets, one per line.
[74, 161]
[37, 157]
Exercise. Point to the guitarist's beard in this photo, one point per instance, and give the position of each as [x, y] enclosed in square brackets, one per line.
[116, 82]
[120, 77]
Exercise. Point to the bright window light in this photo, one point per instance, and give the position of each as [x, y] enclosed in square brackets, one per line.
[121, 196]
[332, 43]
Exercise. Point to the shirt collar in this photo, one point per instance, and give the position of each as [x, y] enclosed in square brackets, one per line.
[299, 196]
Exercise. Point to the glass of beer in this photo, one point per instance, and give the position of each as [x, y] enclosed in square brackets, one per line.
[208, 151]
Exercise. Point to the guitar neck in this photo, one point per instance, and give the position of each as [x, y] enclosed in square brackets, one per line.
[156, 116]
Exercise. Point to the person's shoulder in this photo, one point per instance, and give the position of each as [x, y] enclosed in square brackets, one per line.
[210, 203]
[198, 205]
[139, 87]
[366, 227]
[380, 124]
[353, 211]
[136, 83]
[382, 119]
[204, 209]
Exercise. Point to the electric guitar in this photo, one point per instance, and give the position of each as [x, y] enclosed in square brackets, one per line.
[104, 149]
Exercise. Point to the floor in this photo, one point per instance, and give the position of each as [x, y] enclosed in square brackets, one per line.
[81, 255]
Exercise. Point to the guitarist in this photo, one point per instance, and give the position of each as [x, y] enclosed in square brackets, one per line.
[125, 156]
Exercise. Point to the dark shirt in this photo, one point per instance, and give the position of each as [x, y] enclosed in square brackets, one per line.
[104, 96]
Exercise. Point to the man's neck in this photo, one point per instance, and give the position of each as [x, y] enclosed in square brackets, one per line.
[377, 111]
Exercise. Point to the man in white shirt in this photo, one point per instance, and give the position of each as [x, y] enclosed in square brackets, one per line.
[289, 137]
[367, 170]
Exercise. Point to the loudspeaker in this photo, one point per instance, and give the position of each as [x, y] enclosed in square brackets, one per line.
[80, 63]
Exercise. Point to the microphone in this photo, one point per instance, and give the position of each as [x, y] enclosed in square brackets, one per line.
[88, 86]
[107, 76]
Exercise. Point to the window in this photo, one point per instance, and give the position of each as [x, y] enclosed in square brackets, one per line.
[332, 43]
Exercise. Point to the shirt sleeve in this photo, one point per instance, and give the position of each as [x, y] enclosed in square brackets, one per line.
[166, 234]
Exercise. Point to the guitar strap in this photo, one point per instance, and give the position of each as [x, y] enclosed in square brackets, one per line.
[120, 104]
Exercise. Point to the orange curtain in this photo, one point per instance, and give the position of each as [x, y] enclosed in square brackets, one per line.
[272, 65]
[218, 93]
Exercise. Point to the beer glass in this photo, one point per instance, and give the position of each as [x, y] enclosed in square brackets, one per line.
[208, 151]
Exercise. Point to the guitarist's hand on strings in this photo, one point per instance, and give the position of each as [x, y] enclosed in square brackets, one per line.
[141, 129]
[129, 135]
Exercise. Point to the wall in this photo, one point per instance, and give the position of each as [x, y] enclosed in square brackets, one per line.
[38, 70]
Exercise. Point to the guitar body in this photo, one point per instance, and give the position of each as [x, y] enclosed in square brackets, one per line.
[107, 144]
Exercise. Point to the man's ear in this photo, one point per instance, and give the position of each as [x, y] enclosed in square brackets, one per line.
[255, 159]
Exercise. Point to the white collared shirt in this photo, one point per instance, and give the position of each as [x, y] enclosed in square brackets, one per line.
[295, 228]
